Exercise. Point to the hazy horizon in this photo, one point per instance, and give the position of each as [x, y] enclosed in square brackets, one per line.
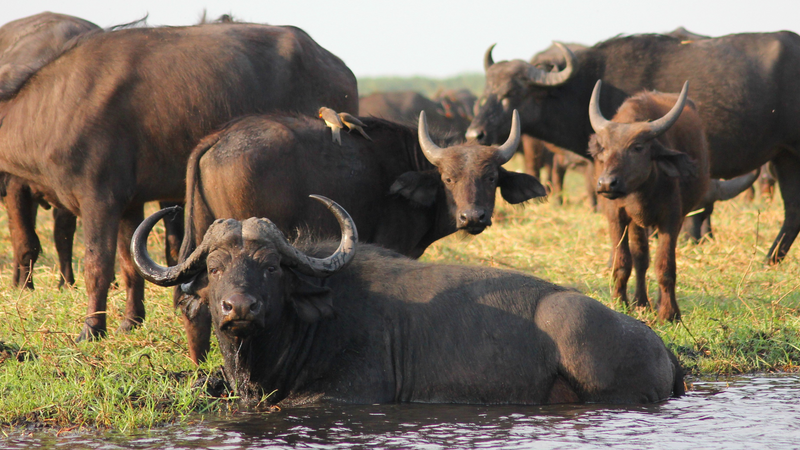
[441, 40]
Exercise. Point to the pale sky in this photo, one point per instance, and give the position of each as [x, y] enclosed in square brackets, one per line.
[440, 39]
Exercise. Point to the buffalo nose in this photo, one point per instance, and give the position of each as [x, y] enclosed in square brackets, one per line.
[607, 183]
[240, 306]
[471, 216]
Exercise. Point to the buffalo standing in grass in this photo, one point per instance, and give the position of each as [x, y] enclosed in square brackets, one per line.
[307, 325]
[109, 124]
[404, 191]
[745, 86]
[652, 166]
[555, 160]
[27, 45]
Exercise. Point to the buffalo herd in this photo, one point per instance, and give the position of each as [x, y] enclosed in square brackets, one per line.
[325, 301]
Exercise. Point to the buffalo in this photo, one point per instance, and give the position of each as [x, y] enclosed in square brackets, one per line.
[698, 225]
[361, 324]
[652, 166]
[744, 85]
[404, 107]
[457, 103]
[404, 191]
[27, 45]
[109, 124]
[555, 160]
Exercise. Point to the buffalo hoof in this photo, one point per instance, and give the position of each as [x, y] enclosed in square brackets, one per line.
[69, 281]
[669, 315]
[128, 325]
[641, 302]
[90, 333]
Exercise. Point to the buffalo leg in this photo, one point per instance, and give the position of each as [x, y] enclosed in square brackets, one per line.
[588, 177]
[532, 153]
[698, 226]
[197, 323]
[621, 266]
[559, 170]
[64, 225]
[640, 253]
[21, 211]
[100, 226]
[173, 227]
[134, 283]
[666, 272]
[787, 168]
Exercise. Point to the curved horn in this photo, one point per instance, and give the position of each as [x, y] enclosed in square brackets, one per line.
[657, 127]
[431, 151]
[154, 272]
[595, 115]
[728, 189]
[543, 78]
[506, 151]
[318, 267]
[488, 61]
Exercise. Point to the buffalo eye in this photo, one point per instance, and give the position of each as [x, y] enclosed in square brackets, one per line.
[214, 270]
[448, 180]
[638, 148]
[270, 270]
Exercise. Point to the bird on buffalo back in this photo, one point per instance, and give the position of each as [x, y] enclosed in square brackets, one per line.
[353, 123]
[333, 122]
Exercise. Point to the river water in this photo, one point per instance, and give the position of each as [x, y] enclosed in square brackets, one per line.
[760, 411]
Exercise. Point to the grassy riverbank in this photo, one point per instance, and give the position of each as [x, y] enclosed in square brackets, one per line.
[739, 315]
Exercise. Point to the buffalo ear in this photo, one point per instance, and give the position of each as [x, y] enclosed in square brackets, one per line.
[518, 187]
[190, 296]
[311, 302]
[419, 187]
[673, 163]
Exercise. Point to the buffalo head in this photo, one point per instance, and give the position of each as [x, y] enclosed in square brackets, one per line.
[470, 174]
[248, 273]
[514, 85]
[626, 151]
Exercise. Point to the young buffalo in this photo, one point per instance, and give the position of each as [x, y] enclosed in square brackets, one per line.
[652, 166]
[320, 323]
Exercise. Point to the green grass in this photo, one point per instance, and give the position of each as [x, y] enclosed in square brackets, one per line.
[739, 315]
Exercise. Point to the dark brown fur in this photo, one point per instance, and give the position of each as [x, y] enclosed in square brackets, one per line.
[745, 86]
[659, 181]
[109, 125]
[267, 166]
[387, 329]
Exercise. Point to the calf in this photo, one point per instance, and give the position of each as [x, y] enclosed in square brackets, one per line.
[652, 165]
[377, 327]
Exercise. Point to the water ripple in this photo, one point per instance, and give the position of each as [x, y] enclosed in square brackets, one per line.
[744, 412]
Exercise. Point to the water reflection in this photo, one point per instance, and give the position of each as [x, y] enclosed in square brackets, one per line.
[745, 412]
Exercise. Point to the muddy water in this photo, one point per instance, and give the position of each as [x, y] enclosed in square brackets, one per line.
[744, 412]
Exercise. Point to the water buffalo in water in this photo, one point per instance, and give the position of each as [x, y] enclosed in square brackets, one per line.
[745, 87]
[109, 124]
[403, 190]
[652, 166]
[319, 323]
